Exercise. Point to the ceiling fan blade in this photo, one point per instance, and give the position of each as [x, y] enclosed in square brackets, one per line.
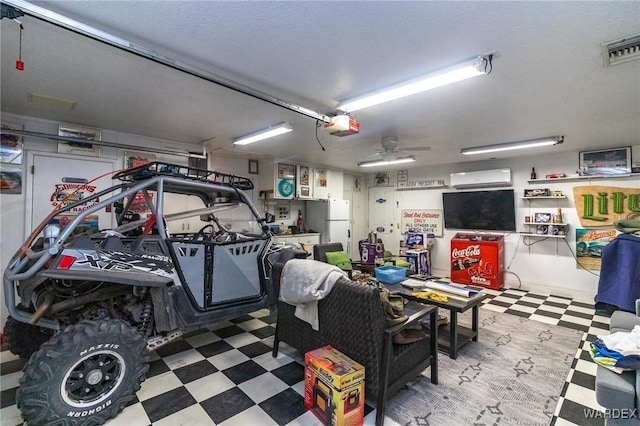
[375, 154]
[416, 148]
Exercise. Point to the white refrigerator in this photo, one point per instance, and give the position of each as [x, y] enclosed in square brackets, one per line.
[331, 219]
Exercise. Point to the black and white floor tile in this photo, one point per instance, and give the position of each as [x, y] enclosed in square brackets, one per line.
[225, 375]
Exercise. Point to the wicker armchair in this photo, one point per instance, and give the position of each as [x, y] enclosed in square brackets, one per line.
[351, 319]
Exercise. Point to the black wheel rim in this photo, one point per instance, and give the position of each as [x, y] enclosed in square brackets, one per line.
[93, 378]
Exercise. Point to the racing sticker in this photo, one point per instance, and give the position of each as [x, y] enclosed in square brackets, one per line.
[74, 259]
[69, 193]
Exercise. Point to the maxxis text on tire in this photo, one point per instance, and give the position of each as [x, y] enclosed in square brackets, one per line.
[84, 375]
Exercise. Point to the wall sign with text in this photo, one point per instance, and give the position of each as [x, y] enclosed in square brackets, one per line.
[598, 205]
[424, 221]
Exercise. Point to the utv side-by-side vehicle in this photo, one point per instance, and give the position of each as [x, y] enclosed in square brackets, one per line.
[85, 306]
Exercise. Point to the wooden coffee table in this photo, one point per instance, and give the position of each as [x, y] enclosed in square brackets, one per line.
[452, 336]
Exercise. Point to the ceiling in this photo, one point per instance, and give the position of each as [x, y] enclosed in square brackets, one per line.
[549, 78]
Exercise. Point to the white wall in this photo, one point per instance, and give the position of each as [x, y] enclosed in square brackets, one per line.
[546, 267]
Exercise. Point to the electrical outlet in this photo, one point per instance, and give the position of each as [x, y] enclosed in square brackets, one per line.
[283, 212]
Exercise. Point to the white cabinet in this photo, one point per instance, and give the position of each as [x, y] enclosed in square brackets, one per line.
[327, 184]
[177, 203]
[285, 180]
[306, 240]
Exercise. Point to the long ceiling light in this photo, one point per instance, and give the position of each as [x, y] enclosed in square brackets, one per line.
[375, 163]
[472, 68]
[264, 134]
[531, 143]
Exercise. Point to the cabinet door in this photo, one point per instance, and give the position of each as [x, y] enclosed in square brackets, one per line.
[177, 203]
[308, 241]
[327, 184]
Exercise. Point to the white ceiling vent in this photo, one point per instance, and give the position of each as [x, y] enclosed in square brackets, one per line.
[622, 50]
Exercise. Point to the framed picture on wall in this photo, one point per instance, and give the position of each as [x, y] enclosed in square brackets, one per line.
[616, 161]
[135, 159]
[10, 179]
[542, 217]
[381, 179]
[253, 167]
[11, 145]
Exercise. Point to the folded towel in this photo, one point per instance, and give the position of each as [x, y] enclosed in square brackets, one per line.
[304, 282]
[628, 226]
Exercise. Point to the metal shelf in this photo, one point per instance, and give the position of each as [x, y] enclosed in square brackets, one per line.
[525, 234]
[576, 178]
[547, 197]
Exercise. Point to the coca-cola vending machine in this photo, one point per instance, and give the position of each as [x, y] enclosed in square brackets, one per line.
[478, 259]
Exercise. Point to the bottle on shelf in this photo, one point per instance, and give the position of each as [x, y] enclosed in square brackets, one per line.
[558, 217]
[533, 173]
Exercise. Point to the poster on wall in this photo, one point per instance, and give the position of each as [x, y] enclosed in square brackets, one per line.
[135, 159]
[423, 221]
[10, 179]
[11, 145]
[285, 180]
[72, 190]
[381, 179]
[599, 205]
[321, 178]
[589, 245]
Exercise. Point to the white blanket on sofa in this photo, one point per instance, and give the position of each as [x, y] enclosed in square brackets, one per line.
[304, 282]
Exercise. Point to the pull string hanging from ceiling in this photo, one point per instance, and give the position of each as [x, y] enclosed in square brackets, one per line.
[19, 63]
[104, 37]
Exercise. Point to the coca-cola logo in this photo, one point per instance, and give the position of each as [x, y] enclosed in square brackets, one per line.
[466, 252]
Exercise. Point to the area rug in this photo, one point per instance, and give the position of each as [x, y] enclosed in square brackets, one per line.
[512, 376]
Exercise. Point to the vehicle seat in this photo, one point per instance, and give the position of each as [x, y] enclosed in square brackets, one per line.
[112, 243]
[82, 242]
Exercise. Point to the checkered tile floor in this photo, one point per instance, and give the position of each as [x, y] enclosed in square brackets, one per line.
[225, 375]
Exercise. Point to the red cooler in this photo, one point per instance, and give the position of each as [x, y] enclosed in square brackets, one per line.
[478, 259]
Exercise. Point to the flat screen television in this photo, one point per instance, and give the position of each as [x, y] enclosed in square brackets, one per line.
[480, 210]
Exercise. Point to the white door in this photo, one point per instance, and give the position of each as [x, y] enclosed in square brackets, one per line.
[382, 216]
[53, 177]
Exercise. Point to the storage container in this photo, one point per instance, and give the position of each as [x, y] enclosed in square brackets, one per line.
[390, 274]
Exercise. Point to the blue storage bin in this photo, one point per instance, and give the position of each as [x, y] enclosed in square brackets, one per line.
[390, 274]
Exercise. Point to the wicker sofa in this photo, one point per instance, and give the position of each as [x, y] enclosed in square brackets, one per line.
[351, 319]
[620, 393]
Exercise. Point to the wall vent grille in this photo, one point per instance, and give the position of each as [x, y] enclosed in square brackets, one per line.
[622, 50]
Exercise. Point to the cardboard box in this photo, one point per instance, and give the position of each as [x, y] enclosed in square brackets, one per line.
[334, 387]
[416, 240]
[370, 253]
[420, 261]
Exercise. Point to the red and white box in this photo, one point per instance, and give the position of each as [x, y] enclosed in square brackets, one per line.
[334, 387]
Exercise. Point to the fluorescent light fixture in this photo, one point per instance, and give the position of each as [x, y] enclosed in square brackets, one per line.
[473, 68]
[375, 163]
[531, 143]
[264, 134]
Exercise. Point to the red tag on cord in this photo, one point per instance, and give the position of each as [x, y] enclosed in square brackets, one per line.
[20, 65]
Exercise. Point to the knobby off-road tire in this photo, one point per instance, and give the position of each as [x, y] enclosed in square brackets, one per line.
[84, 375]
[24, 339]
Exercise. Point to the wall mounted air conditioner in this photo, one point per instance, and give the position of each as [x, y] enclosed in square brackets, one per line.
[482, 178]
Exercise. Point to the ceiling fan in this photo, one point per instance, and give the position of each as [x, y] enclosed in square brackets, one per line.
[391, 150]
